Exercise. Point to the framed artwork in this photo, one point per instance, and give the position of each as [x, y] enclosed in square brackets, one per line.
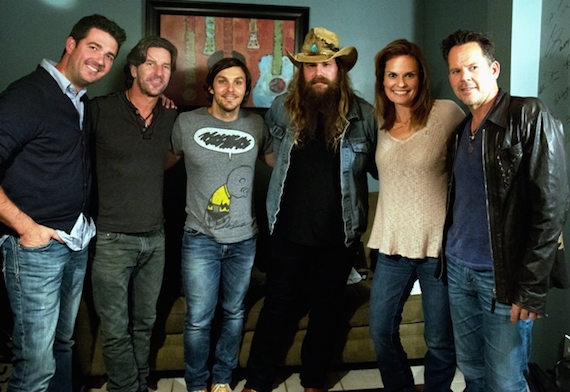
[203, 33]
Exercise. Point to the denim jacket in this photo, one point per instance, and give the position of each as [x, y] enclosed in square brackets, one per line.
[357, 151]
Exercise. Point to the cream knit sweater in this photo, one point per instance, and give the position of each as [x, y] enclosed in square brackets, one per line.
[413, 186]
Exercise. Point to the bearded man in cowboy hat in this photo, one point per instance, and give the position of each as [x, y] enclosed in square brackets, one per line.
[324, 142]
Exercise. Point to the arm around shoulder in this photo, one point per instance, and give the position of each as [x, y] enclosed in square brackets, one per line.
[269, 159]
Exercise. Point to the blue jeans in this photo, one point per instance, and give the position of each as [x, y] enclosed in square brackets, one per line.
[393, 280]
[44, 287]
[492, 352]
[300, 279]
[210, 269]
[127, 276]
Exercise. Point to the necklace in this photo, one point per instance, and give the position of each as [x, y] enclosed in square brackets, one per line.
[471, 138]
[138, 113]
[144, 120]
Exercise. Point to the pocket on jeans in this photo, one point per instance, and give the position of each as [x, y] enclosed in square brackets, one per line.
[190, 231]
[40, 248]
[108, 237]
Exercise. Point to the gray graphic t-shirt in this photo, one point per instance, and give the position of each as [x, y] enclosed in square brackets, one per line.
[220, 162]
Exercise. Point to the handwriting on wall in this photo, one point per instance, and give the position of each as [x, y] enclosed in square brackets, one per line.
[554, 81]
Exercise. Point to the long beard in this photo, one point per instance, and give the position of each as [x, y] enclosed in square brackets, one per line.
[320, 110]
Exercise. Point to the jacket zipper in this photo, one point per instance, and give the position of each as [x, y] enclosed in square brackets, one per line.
[448, 202]
[483, 160]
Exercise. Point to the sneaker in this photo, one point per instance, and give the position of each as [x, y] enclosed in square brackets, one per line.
[221, 388]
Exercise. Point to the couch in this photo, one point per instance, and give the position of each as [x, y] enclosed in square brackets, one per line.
[167, 343]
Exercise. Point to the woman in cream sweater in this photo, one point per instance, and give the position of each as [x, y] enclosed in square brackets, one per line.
[408, 226]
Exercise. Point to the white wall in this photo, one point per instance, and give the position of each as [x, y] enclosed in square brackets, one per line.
[525, 47]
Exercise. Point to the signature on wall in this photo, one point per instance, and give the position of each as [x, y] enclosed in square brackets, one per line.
[554, 82]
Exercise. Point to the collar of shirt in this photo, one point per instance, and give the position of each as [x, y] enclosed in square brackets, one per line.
[66, 87]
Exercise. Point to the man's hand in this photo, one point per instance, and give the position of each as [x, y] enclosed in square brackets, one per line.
[518, 313]
[39, 235]
[31, 234]
[167, 102]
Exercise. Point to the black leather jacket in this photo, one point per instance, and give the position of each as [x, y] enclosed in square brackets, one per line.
[526, 184]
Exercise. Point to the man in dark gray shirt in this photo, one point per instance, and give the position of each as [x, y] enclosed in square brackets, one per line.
[132, 139]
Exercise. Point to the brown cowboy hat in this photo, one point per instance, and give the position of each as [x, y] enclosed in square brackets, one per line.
[321, 45]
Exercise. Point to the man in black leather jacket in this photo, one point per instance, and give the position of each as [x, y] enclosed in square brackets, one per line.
[507, 206]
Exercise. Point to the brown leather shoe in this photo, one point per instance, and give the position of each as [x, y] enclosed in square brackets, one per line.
[248, 390]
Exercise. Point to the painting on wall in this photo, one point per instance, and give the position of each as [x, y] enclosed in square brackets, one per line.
[204, 33]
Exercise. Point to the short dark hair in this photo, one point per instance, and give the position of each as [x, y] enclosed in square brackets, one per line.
[138, 54]
[82, 28]
[462, 37]
[218, 67]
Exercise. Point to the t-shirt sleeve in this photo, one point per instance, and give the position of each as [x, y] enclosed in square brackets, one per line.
[176, 138]
[267, 141]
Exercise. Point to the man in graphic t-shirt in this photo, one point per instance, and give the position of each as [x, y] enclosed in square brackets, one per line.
[220, 144]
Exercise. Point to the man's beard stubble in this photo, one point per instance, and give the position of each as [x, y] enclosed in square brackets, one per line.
[320, 110]
[146, 90]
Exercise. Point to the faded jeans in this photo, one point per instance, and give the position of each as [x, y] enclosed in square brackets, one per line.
[44, 287]
[492, 352]
[209, 270]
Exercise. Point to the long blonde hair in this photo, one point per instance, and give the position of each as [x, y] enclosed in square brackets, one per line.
[298, 111]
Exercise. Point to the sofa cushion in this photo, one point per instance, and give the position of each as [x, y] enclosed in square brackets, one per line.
[175, 321]
[356, 304]
[356, 346]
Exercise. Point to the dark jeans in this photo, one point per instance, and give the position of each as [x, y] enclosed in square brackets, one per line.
[391, 286]
[127, 276]
[300, 279]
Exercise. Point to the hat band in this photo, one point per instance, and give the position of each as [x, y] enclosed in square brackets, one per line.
[322, 52]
